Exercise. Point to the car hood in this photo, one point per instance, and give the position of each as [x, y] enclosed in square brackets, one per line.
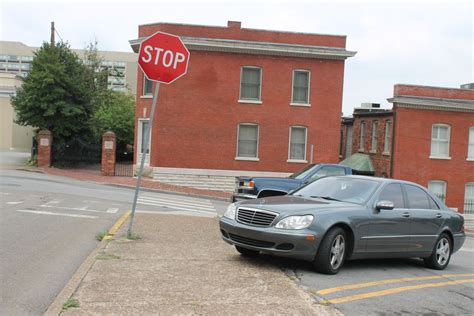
[291, 204]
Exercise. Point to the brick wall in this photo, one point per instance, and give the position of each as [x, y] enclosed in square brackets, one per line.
[198, 115]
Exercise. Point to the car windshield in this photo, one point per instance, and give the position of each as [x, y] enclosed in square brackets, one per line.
[303, 173]
[345, 189]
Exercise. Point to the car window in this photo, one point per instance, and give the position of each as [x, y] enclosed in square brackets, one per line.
[417, 198]
[433, 204]
[393, 192]
[328, 171]
[303, 173]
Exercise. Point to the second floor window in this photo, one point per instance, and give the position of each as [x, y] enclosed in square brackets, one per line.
[470, 148]
[247, 142]
[297, 150]
[388, 136]
[362, 137]
[250, 84]
[375, 136]
[300, 94]
[147, 86]
[440, 141]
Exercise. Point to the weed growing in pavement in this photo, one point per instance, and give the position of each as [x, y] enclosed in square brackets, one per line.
[133, 236]
[101, 235]
[71, 302]
[106, 256]
[33, 162]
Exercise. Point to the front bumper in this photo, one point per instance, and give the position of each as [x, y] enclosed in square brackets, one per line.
[284, 243]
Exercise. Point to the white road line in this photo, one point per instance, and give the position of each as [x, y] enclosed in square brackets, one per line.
[170, 203]
[56, 214]
[80, 209]
[14, 203]
[177, 207]
[112, 210]
[175, 198]
[195, 213]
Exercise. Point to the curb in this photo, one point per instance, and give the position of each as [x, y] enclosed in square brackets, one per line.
[71, 286]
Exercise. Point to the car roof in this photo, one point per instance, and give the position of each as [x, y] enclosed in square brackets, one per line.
[377, 179]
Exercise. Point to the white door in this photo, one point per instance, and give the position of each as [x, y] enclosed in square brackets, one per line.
[142, 125]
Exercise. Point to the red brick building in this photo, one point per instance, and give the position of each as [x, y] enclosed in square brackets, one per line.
[434, 141]
[427, 138]
[252, 100]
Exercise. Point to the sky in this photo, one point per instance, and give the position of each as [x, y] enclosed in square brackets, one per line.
[418, 42]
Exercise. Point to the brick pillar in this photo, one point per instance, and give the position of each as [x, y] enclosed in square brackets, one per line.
[108, 154]
[45, 143]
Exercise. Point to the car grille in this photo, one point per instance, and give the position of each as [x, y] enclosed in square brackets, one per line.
[255, 217]
[251, 242]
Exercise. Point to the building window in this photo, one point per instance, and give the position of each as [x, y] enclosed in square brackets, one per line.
[470, 148]
[469, 198]
[247, 142]
[388, 137]
[297, 146]
[300, 93]
[250, 84]
[362, 137]
[438, 187]
[147, 86]
[375, 127]
[440, 141]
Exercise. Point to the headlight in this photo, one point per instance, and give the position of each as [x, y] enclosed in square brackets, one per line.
[230, 212]
[295, 222]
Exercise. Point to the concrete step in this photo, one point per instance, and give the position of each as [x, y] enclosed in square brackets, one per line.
[206, 182]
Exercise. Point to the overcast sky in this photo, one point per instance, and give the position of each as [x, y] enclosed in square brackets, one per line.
[413, 42]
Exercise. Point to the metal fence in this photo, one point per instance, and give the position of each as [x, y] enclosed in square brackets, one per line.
[469, 206]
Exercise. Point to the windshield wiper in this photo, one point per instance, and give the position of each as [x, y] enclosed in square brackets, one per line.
[326, 198]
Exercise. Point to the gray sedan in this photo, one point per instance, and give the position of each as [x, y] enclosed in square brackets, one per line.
[349, 217]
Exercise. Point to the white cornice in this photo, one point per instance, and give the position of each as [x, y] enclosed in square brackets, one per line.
[259, 48]
[427, 103]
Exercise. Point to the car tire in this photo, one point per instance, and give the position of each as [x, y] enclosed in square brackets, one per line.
[332, 252]
[247, 252]
[441, 254]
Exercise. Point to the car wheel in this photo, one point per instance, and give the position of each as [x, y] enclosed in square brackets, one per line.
[441, 254]
[247, 252]
[331, 252]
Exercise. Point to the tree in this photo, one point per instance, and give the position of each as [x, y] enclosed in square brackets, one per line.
[56, 94]
[115, 112]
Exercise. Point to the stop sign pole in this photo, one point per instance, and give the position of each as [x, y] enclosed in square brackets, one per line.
[163, 58]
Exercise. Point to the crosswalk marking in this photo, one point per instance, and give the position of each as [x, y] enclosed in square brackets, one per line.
[56, 214]
[178, 203]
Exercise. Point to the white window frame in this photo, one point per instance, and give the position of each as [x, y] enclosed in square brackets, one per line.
[470, 144]
[293, 103]
[466, 197]
[237, 143]
[259, 101]
[148, 95]
[374, 137]
[139, 142]
[388, 137]
[304, 160]
[445, 187]
[437, 156]
[362, 137]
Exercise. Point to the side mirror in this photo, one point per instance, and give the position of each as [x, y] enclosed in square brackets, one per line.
[384, 205]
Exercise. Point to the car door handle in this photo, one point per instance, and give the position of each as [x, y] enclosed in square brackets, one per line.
[406, 214]
[439, 215]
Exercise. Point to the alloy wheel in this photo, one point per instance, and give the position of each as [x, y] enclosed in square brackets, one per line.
[442, 251]
[338, 249]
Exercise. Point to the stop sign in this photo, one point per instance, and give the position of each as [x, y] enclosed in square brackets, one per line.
[163, 57]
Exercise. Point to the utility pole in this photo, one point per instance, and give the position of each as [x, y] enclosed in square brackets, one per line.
[52, 33]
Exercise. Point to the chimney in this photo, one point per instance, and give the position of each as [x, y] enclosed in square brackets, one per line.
[234, 24]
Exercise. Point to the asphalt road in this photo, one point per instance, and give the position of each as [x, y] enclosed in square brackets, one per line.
[48, 227]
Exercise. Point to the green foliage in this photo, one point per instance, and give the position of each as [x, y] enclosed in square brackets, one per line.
[101, 235]
[133, 236]
[56, 94]
[71, 302]
[115, 112]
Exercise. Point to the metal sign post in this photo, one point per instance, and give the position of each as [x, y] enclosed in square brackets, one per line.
[145, 149]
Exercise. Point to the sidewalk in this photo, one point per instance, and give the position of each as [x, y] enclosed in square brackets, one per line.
[182, 266]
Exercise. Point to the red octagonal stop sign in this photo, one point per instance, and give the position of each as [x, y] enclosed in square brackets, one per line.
[163, 57]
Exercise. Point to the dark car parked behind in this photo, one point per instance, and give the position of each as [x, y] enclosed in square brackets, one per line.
[347, 217]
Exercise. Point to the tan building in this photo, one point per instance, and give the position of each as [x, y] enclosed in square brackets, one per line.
[15, 62]
[12, 136]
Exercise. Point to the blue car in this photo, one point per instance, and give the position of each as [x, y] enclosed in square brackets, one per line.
[253, 188]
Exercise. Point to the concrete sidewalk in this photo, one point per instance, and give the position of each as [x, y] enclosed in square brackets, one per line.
[182, 266]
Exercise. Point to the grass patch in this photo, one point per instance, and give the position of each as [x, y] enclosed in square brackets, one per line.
[133, 236]
[106, 256]
[71, 302]
[101, 235]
